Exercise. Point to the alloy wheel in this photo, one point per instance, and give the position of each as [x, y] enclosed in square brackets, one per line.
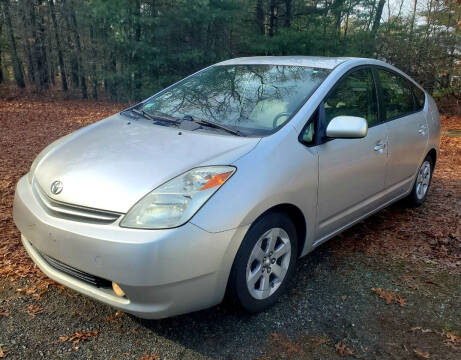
[423, 179]
[268, 263]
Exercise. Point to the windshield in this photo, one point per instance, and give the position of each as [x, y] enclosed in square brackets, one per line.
[253, 99]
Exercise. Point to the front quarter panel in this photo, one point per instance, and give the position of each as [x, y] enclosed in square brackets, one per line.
[280, 170]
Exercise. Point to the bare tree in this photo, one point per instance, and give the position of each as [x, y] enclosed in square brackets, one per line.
[377, 19]
[412, 22]
[1, 67]
[273, 17]
[78, 44]
[39, 55]
[17, 64]
[58, 46]
[260, 16]
[288, 13]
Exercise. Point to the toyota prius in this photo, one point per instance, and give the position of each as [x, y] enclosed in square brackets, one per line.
[216, 185]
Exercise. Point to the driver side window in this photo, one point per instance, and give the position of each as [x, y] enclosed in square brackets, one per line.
[354, 95]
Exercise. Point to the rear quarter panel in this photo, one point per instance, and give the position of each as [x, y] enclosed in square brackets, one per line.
[433, 125]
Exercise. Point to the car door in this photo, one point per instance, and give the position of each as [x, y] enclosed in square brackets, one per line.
[403, 111]
[351, 171]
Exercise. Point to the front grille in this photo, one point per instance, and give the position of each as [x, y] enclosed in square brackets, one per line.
[78, 274]
[74, 212]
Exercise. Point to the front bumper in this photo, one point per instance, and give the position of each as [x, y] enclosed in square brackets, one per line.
[162, 272]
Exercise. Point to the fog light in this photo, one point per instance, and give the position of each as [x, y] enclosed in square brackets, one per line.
[117, 290]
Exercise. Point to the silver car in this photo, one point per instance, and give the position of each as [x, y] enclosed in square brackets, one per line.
[216, 185]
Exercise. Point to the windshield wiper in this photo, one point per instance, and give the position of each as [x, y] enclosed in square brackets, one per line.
[156, 117]
[142, 113]
[213, 124]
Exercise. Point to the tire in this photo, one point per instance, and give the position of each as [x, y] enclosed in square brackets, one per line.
[257, 284]
[422, 183]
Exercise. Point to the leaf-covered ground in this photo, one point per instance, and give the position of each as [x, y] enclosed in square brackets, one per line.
[388, 288]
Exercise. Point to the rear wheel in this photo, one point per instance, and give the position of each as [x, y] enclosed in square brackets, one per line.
[423, 181]
[264, 263]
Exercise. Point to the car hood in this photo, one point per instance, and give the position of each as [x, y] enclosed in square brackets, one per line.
[112, 164]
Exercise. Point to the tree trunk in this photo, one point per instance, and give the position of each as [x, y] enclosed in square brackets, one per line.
[78, 44]
[372, 15]
[346, 25]
[377, 20]
[24, 10]
[273, 17]
[260, 16]
[73, 65]
[1, 67]
[50, 54]
[40, 47]
[58, 46]
[30, 64]
[288, 13]
[137, 39]
[94, 77]
[324, 21]
[17, 65]
[412, 23]
[30, 8]
[339, 17]
[74, 78]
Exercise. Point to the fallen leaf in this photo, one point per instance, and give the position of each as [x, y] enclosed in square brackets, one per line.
[343, 350]
[390, 296]
[4, 313]
[78, 336]
[452, 341]
[2, 354]
[33, 309]
[112, 319]
[149, 357]
[421, 354]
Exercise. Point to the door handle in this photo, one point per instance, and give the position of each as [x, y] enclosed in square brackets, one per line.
[422, 130]
[379, 147]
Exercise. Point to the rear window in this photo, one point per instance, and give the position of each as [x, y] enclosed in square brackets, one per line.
[420, 97]
[397, 95]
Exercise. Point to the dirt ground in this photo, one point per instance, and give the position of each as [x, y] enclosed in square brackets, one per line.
[388, 288]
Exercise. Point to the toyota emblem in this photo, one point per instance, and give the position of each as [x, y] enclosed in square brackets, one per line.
[56, 187]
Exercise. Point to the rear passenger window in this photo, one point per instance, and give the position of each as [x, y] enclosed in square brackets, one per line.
[397, 95]
[420, 97]
[355, 95]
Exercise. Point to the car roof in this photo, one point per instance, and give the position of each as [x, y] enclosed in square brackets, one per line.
[309, 61]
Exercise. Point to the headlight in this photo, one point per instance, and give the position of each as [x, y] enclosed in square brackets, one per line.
[42, 154]
[175, 202]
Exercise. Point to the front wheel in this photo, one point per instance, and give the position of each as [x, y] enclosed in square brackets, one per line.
[264, 263]
[423, 181]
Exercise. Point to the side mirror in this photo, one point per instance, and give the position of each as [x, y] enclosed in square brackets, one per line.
[347, 127]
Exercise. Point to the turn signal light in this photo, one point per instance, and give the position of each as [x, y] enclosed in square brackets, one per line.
[216, 180]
